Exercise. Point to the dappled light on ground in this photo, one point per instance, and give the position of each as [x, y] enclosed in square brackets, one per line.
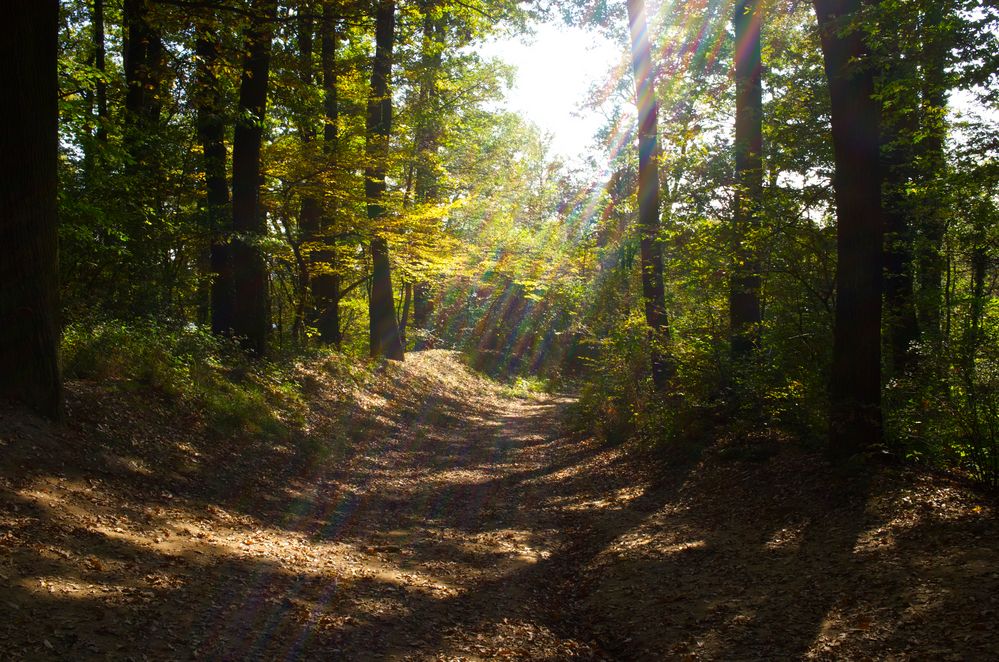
[457, 521]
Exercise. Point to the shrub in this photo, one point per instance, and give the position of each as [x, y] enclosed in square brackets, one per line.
[189, 366]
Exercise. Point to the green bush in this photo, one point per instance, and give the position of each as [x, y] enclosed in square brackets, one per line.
[189, 366]
[947, 412]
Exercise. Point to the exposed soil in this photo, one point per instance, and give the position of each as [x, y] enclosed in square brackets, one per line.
[432, 514]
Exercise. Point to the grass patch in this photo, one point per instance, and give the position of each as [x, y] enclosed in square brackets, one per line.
[190, 367]
[526, 387]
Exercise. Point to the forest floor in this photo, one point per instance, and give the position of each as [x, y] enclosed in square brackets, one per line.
[460, 520]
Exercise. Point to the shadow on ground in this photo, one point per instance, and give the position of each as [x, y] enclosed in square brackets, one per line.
[467, 524]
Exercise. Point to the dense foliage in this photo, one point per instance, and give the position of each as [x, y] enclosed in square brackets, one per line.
[287, 175]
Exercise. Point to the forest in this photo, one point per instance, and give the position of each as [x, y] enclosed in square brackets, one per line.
[314, 349]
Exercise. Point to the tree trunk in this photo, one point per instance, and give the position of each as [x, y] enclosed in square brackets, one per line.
[979, 267]
[653, 292]
[384, 331]
[855, 388]
[744, 293]
[100, 55]
[426, 147]
[250, 307]
[29, 335]
[422, 310]
[427, 130]
[310, 213]
[328, 323]
[407, 299]
[326, 287]
[144, 60]
[211, 134]
[144, 63]
[93, 150]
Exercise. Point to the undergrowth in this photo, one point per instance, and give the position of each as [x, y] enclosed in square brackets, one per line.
[526, 387]
[710, 398]
[191, 368]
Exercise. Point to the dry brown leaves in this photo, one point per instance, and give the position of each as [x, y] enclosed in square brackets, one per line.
[451, 521]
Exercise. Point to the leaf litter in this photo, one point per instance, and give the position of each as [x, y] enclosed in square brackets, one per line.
[460, 522]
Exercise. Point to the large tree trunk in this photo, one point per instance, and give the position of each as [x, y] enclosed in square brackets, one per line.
[250, 306]
[384, 330]
[326, 293]
[744, 294]
[653, 292]
[144, 61]
[211, 134]
[855, 388]
[29, 335]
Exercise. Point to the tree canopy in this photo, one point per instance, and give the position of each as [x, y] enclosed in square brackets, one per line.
[796, 228]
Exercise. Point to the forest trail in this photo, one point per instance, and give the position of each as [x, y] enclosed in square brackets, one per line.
[439, 536]
[468, 523]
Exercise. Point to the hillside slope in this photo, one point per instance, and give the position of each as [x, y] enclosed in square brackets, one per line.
[426, 512]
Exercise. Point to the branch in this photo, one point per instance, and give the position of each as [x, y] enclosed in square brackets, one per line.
[249, 13]
[205, 4]
[477, 10]
[347, 290]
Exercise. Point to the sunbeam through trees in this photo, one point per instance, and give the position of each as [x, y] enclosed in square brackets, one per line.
[313, 348]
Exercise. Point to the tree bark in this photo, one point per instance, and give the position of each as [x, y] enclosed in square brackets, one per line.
[855, 388]
[427, 130]
[100, 55]
[384, 331]
[211, 134]
[423, 307]
[653, 291]
[143, 61]
[328, 323]
[250, 306]
[326, 293]
[744, 294]
[407, 298]
[310, 213]
[93, 151]
[29, 335]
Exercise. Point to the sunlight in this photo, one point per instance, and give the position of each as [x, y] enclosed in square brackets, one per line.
[555, 71]
[499, 330]
[787, 538]
[79, 589]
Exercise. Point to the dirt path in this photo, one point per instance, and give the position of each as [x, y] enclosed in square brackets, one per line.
[455, 522]
[467, 524]
[441, 537]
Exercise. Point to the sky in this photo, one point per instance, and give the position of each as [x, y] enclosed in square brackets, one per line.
[555, 69]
